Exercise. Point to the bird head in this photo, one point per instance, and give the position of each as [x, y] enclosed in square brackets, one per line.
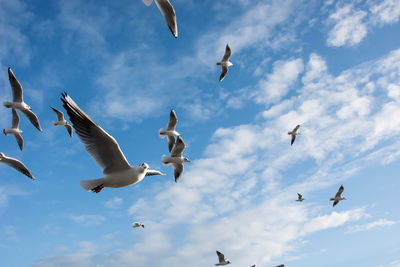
[1, 155]
[186, 160]
[144, 166]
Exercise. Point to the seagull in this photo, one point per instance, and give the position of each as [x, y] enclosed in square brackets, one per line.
[170, 133]
[253, 265]
[300, 197]
[14, 129]
[168, 12]
[225, 63]
[18, 102]
[105, 151]
[62, 121]
[221, 259]
[338, 197]
[294, 133]
[137, 224]
[176, 158]
[282, 265]
[16, 164]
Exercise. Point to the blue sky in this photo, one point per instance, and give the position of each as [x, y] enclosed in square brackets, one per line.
[331, 66]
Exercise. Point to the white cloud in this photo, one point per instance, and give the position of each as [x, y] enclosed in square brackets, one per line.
[114, 203]
[369, 226]
[88, 219]
[349, 27]
[278, 83]
[386, 11]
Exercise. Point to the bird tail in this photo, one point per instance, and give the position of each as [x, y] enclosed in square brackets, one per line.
[89, 185]
[4, 131]
[218, 63]
[7, 104]
[331, 199]
[165, 160]
[162, 133]
[54, 123]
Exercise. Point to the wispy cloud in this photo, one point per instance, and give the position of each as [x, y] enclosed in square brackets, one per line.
[369, 226]
[88, 219]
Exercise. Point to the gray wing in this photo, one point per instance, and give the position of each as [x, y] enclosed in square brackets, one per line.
[224, 71]
[293, 138]
[60, 115]
[32, 117]
[18, 165]
[169, 15]
[171, 142]
[154, 172]
[227, 54]
[20, 141]
[15, 119]
[221, 256]
[15, 86]
[339, 192]
[335, 202]
[178, 148]
[300, 196]
[178, 170]
[98, 143]
[296, 128]
[173, 120]
[69, 129]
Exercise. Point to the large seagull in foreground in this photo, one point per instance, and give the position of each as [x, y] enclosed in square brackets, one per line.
[168, 12]
[18, 101]
[105, 151]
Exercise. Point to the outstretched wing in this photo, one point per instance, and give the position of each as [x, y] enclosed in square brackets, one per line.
[339, 192]
[60, 115]
[18, 165]
[98, 143]
[32, 117]
[293, 138]
[69, 129]
[296, 128]
[15, 119]
[20, 141]
[221, 256]
[178, 170]
[224, 71]
[227, 54]
[15, 86]
[168, 12]
[178, 148]
[173, 120]
[154, 172]
[171, 142]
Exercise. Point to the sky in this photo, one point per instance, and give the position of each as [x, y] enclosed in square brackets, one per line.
[331, 66]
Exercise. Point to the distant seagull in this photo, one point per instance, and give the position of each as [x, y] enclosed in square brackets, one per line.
[168, 12]
[225, 63]
[14, 129]
[176, 158]
[253, 265]
[282, 265]
[299, 197]
[105, 151]
[62, 121]
[338, 197]
[221, 259]
[137, 224]
[16, 164]
[170, 132]
[294, 133]
[18, 102]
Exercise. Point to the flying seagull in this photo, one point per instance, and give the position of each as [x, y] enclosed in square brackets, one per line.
[299, 197]
[282, 265]
[294, 133]
[16, 164]
[137, 224]
[176, 158]
[253, 265]
[170, 132]
[105, 151]
[338, 197]
[225, 63]
[62, 121]
[18, 102]
[14, 129]
[168, 12]
[221, 259]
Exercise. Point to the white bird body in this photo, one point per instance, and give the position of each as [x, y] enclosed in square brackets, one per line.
[225, 63]
[105, 151]
[170, 132]
[12, 131]
[338, 197]
[294, 133]
[18, 101]
[163, 133]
